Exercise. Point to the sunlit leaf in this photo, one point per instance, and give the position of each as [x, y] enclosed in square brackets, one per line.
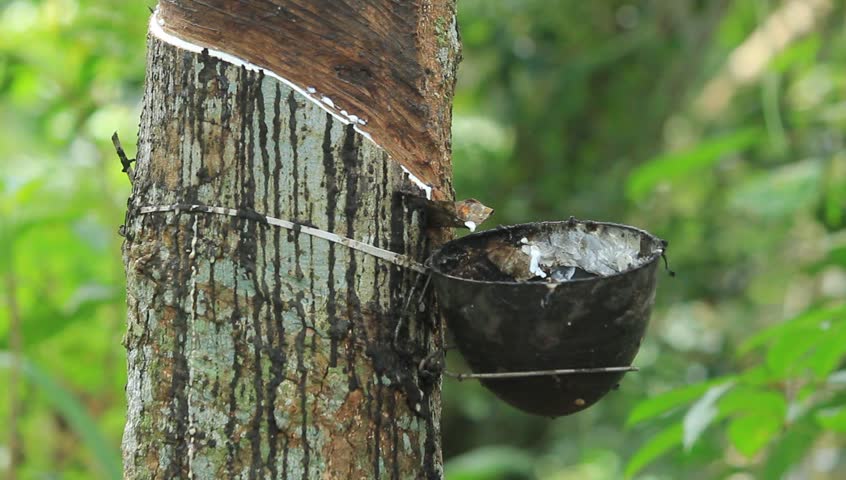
[828, 354]
[833, 419]
[747, 398]
[758, 376]
[29, 190]
[666, 402]
[817, 343]
[674, 165]
[812, 318]
[785, 355]
[702, 413]
[657, 446]
[750, 433]
[803, 52]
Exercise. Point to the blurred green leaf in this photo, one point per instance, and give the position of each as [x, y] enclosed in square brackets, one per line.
[833, 419]
[835, 256]
[73, 412]
[702, 413]
[815, 346]
[45, 320]
[802, 53]
[810, 319]
[658, 445]
[490, 463]
[830, 351]
[746, 398]
[783, 357]
[675, 165]
[666, 402]
[779, 192]
[750, 433]
[789, 449]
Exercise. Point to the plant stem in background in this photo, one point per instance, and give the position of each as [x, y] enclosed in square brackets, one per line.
[748, 62]
[15, 343]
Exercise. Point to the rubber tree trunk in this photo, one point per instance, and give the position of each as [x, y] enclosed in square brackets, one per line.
[260, 352]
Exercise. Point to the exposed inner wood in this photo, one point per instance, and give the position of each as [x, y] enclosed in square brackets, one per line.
[390, 63]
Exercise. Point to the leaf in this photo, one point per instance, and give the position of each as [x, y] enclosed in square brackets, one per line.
[758, 375]
[750, 433]
[835, 256]
[45, 320]
[28, 190]
[783, 358]
[759, 415]
[658, 445]
[747, 398]
[666, 402]
[790, 448]
[91, 294]
[779, 192]
[829, 352]
[675, 165]
[12, 231]
[818, 347]
[813, 317]
[702, 413]
[489, 463]
[832, 419]
[801, 53]
[73, 412]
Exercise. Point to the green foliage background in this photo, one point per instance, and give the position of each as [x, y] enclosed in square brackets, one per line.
[602, 110]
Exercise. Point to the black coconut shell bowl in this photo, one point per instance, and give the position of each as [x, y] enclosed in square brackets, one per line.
[506, 318]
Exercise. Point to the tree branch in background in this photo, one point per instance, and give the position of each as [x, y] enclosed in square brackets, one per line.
[747, 63]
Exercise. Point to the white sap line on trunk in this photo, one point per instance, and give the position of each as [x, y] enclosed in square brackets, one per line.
[324, 102]
[156, 28]
[192, 430]
[393, 257]
[426, 188]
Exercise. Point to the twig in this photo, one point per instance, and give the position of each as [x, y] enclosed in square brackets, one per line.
[125, 162]
[538, 373]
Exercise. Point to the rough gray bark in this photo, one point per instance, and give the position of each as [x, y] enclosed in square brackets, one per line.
[256, 352]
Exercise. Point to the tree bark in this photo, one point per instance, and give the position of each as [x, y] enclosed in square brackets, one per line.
[259, 352]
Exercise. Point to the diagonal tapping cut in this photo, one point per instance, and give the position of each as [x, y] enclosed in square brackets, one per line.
[394, 83]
